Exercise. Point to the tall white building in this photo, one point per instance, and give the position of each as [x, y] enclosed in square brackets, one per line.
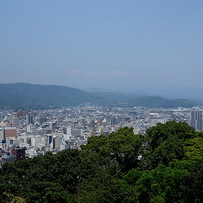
[196, 119]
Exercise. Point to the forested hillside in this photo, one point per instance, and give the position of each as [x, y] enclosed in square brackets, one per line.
[23, 95]
[159, 102]
[164, 165]
[30, 96]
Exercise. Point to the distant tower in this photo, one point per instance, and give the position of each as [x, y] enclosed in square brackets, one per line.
[113, 121]
[29, 119]
[196, 119]
[15, 121]
[92, 124]
[99, 121]
[20, 154]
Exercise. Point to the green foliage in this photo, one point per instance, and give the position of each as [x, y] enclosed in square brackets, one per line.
[47, 192]
[106, 170]
[170, 150]
[105, 188]
[44, 176]
[167, 184]
[122, 147]
[165, 143]
[194, 191]
[194, 148]
[9, 198]
[161, 132]
[133, 176]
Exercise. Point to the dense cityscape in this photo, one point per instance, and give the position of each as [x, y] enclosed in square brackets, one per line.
[26, 134]
[101, 101]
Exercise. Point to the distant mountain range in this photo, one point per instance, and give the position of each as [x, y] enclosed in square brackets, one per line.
[30, 96]
[159, 102]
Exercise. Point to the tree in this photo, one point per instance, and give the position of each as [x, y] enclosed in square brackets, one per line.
[170, 150]
[163, 183]
[181, 181]
[161, 132]
[12, 199]
[194, 148]
[105, 188]
[121, 147]
[165, 143]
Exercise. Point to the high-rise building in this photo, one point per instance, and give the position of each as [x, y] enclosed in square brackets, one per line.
[196, 119]
[29, 119]
[20, 154]
[113, 121]
[15, 121]
[92, 123]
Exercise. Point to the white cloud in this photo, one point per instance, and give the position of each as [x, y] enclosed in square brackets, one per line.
[161, 73]
[107, 73]
[74, 72]
[94, 73]
[117, 73]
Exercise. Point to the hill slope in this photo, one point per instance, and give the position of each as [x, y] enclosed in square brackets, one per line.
[42, 96]
[23, 95]
[159, 102]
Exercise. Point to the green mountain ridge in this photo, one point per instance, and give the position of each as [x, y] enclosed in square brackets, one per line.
[32, 96]
[23, 94]
[159, 102]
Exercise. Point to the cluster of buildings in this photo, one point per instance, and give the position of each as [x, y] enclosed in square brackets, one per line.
[26, 134]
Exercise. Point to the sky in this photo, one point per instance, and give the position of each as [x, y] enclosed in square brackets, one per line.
[127, 46]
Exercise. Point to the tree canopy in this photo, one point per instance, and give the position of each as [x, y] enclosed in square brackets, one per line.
[164, 165]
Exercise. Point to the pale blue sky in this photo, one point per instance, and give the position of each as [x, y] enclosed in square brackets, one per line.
[118, 45]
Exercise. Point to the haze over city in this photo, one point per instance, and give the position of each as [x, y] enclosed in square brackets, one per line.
[101, 101]
[152, 47]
